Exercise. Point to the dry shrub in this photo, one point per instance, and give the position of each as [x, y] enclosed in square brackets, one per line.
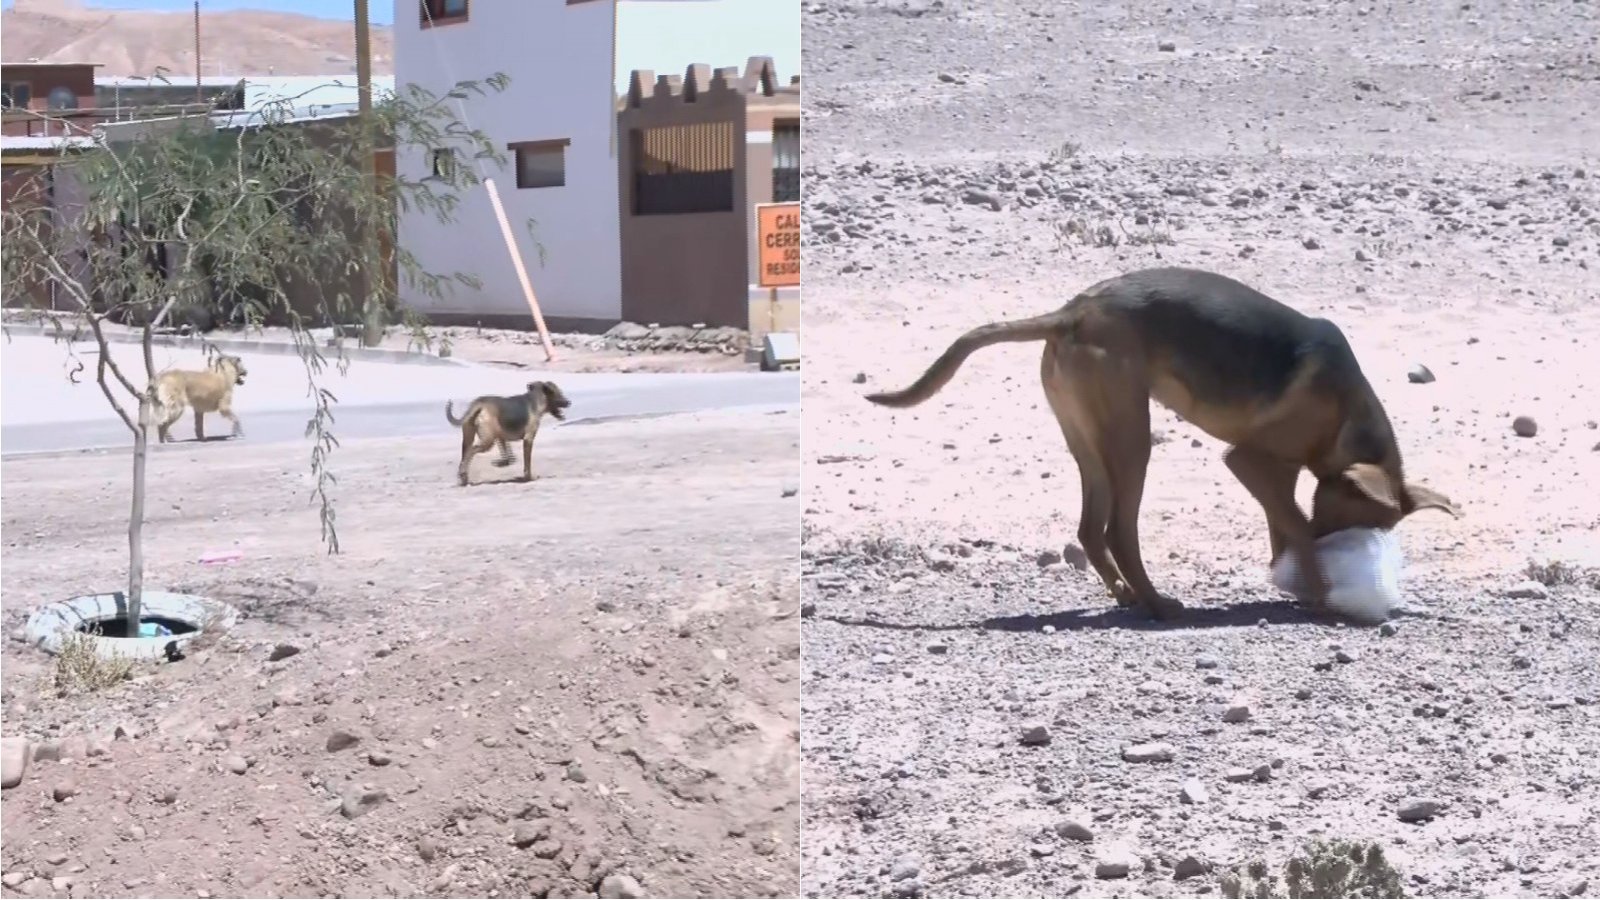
[1323, 869]
[80, 669]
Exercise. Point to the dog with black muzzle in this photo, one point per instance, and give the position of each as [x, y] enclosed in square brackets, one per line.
[491, 420]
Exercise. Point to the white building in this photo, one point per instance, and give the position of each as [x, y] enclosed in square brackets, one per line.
[555, 123]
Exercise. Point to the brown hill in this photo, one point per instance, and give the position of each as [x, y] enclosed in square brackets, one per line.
[243, 42]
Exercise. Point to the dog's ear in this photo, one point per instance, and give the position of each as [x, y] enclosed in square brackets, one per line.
[1374, 482]
[1414, 497]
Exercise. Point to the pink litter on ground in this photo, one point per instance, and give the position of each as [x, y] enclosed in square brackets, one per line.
[221, 556]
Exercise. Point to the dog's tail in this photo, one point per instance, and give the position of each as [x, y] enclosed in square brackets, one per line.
[944, 368]
[449, 412]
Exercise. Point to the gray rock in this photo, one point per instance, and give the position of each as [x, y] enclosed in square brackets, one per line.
[379, 758]
[236, 764]
[1167, 47]
[1262, 772]
[282, 652]
[1075, 829]
[1388, 629]
[547, 849]
[1524, 426]
[1115, 862]
[905, 867]
[1420, 809]
[64, 790]
[341, 740]
[13, 761]
[1144, 753]
[620, 887]
[1528, 590]
[1206, 661]
[358, 803]
[427, 848]
[1344, 656]
[1420, 374]
[1194, 792]
[12, 879]
[1035, 735]
[1190, 866]
[1238, 711]
[47, 751]
[1047, 558]
[529, 833]
[1074, 556]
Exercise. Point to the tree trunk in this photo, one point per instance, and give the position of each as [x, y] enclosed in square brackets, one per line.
[141, 451]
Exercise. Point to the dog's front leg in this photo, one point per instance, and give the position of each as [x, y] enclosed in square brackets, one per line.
[1271, 481]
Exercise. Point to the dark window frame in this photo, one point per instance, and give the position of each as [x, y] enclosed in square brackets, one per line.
[555, 145]
[431, 13]
[11, 96]
[785, 179]
[685, 169]
[444, 155]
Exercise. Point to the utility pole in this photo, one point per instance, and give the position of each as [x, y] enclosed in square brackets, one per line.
[199, 95]
[372, 323]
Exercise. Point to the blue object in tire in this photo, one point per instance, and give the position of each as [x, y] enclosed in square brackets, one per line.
[153, 629]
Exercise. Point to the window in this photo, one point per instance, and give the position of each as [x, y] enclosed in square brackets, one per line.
[17, 94]
[786, 161]
[442, 12]
[683, 169]
[63, 98]
[442, 163]
[541, 164]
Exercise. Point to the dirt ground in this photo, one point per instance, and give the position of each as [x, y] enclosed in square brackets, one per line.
[1425, 177]
[547, 685]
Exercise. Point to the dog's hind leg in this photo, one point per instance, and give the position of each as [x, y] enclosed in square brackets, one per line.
[1125, 442]
[506, 456]
[199, 425]
[1097, 497]
[469, 446]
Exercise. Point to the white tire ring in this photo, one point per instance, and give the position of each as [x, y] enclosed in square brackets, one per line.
[50, 624]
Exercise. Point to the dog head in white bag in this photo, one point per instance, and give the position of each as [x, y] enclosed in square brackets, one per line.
[1366, 495]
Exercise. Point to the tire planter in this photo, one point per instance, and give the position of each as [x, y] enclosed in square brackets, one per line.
[184, 615]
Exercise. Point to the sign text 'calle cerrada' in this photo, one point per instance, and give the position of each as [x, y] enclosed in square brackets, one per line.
[778, 244]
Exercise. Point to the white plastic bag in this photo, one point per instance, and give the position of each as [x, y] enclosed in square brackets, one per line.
[1362, 566]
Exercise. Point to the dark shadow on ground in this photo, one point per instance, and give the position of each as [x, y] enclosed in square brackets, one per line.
[1239, 615]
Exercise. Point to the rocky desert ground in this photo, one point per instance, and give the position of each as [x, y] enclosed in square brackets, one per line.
[583, 686]
[980, 721]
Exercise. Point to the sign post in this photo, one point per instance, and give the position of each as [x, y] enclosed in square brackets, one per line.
[778, 251]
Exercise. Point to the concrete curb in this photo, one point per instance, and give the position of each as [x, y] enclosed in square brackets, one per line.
[245, 345]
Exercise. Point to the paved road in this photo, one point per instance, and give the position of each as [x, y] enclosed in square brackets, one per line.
[41, 410]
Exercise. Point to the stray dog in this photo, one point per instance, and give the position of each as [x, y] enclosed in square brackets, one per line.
[1282, 388]
[496, 420]
[208, 391]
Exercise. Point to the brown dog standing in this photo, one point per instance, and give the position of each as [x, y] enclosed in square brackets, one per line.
[496, 420]
[208, 391]
[1282, 388]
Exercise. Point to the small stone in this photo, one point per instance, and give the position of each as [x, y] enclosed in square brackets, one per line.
[358, 803]
[1193, 792]
[1419, 809]
[1420, 374]
[1524, 426]
[282, 652]
[1035, 735]
[1142, 753]
[547, 849]
[1262, 772]
[1303, 694]
[427, 848]
[62, 884]
[620, 887]
[938, 649]
[1388, 629]
[1074, 556]
[341, 740]
[47, 751]
[575, 773]
[1311, 243]
[860, 378]
[136, 832]
[236, 764]
[55, 858]
[1361, 256]
[13, 761]
[1115, 862]
[64, 790]
[1237, 711]
[166, 796]
[527, 834]
[1047, 558]
[1075, 829]
[1167, 47]
[790, 490]
[1206, 661]
[905, 867]
[1521, 662]
[1190, 866]
[379, 758]
[12, 879]
[127, 731]
[1344, 656]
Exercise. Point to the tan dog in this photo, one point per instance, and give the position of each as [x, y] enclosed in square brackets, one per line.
[1282, 388]
[208, 391]
[496, 420]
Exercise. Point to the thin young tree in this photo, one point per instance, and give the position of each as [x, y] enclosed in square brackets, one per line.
[239, 220]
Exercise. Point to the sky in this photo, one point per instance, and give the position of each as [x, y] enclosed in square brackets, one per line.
[645, 36]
